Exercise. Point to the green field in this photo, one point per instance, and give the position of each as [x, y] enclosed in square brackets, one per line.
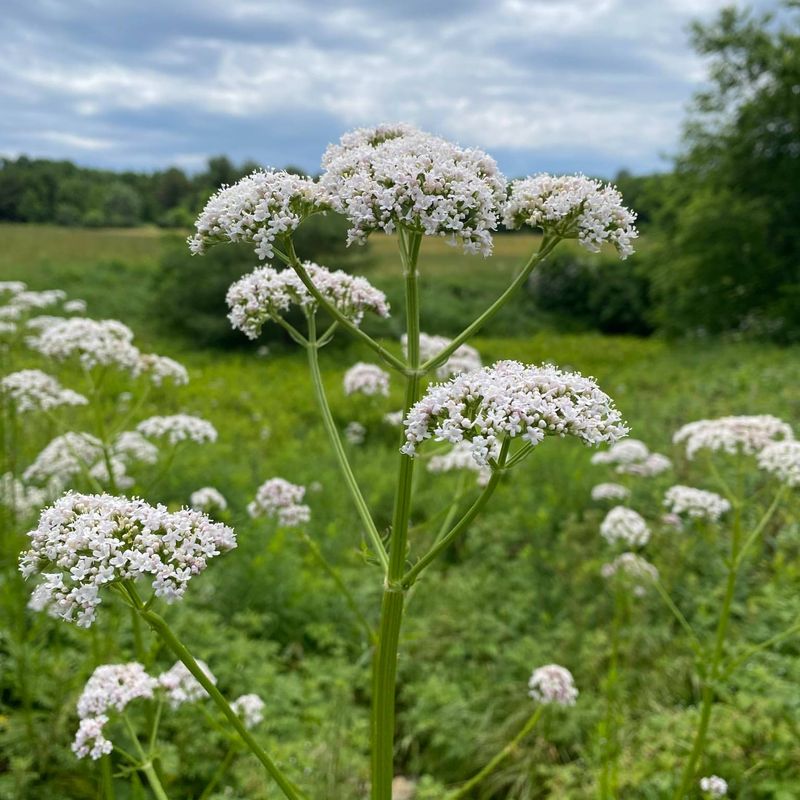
[522, 589]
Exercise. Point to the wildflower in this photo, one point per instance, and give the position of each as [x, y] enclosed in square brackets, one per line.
[267, 294]
[76, 306]
[355, 433]
[387, 176]
[85, 542]
[34, 390]
[782, 459]
[260, 208]
[368, 379]
[178, 428]
[27, 300]
[459, 457]
[637, 569]
[250, 707]
[572, 207]
[610, 491]
[12, 287]
[161, 368]
[714, 785]
[208, 498]
[23, 500]
[553, 684]
[282, 500]
[181, 686]
[393, 418]
[463, 359]
[63, 458]
[104, 342]
[42, 322]
[132, 446]
[628, 451]
[653, 465]
[7, 328]
[743, 434]
[696, 503]
[510, 399]
[111, 686]
[625, 525]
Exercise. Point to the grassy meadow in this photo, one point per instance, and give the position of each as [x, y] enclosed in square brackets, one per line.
[523, 588]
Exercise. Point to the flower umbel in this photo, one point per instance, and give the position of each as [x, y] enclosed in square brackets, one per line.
[282, 500]
[742, 434]
[625, 525]
[696, 503]
[553, 685]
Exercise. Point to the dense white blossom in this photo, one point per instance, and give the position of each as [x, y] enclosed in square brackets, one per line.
[105, 342]
[510, 399]
[85, 542]
[393, 418]
[355, 432]
[367, 379]
[459, 457]
[75, 306]
[745, 434]
[207, 499]
[573, 207]
[627, 451]
[633, 567]
[34, 390]
[162, 368]
[610, 491]
[696, 503]
[28, 300]
[782, 459]
[463, 359]
[654, 464]
[259, 208]
[250, 707]
[393, 175]
[714, 785]
[12, 287]
[181, 686]
[131, 446]
[7, 328]
[63, 458]
[42, 322]
[178, 428]
[21, 499]
[281, 500]
[553, 684]
[110, 687]
[267, 294]
[625, 525]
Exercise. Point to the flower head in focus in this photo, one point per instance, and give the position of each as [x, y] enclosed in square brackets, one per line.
[625, 525]
[742, 434]
[181, 686]
[782, 459]
[393, 175]
[510, 399]
[368, 379]
[34, 390]
[572, 207]
[281, 500]
[696, 503]
[553, 685]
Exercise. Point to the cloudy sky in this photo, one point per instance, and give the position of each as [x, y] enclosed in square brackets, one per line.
[590, 85]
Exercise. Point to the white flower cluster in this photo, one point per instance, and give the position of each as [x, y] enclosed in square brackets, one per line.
[25, 301]
[178, 428]
[782, 459]
[34, 390]
[553, 684]
[355, 432]
[368, 379]
[632, 566]
[21, 499]
[714, 785]
[574, 207]
[696, 503]
[250, 707]
[76, 306]
[393, 175]
[85, 542]
[463, 359]
[181, 686]
[459, 457]
[282, 500]
[42, 322]
[162, 368]
[207, 499]
[267, 294]
[393, 418]
[111, 686]
[633, 457]
[745, 434]
[12, 287]
[259, 208]
[512, 399]
[7, 328]
[610, 491]
[625, 525]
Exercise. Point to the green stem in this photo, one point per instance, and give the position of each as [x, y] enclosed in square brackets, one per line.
[108, 778]
[152, 778]
[444, 542]
[162, 629]
[608, 726]
[499, 758]
[678, 614]
[338, 448]
[757, 531]
[385, 659]
[544, 250]
[219, 774]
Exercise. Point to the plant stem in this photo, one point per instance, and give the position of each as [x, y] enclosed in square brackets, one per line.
[152, 778]
[108, 778]
[544, 250]
[384, 675]
[162, 629]
[499, 758]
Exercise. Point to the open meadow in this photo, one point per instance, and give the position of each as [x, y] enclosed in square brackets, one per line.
[523, 586]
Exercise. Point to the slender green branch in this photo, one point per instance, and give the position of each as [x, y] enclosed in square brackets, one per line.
[146, 764]
[758, 530]
[759, 648]
[465, 788]
[678, 614]
[411, 576]
[341, 456]
[545, 248]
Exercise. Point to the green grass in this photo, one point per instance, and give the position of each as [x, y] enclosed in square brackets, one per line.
[521, 589]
